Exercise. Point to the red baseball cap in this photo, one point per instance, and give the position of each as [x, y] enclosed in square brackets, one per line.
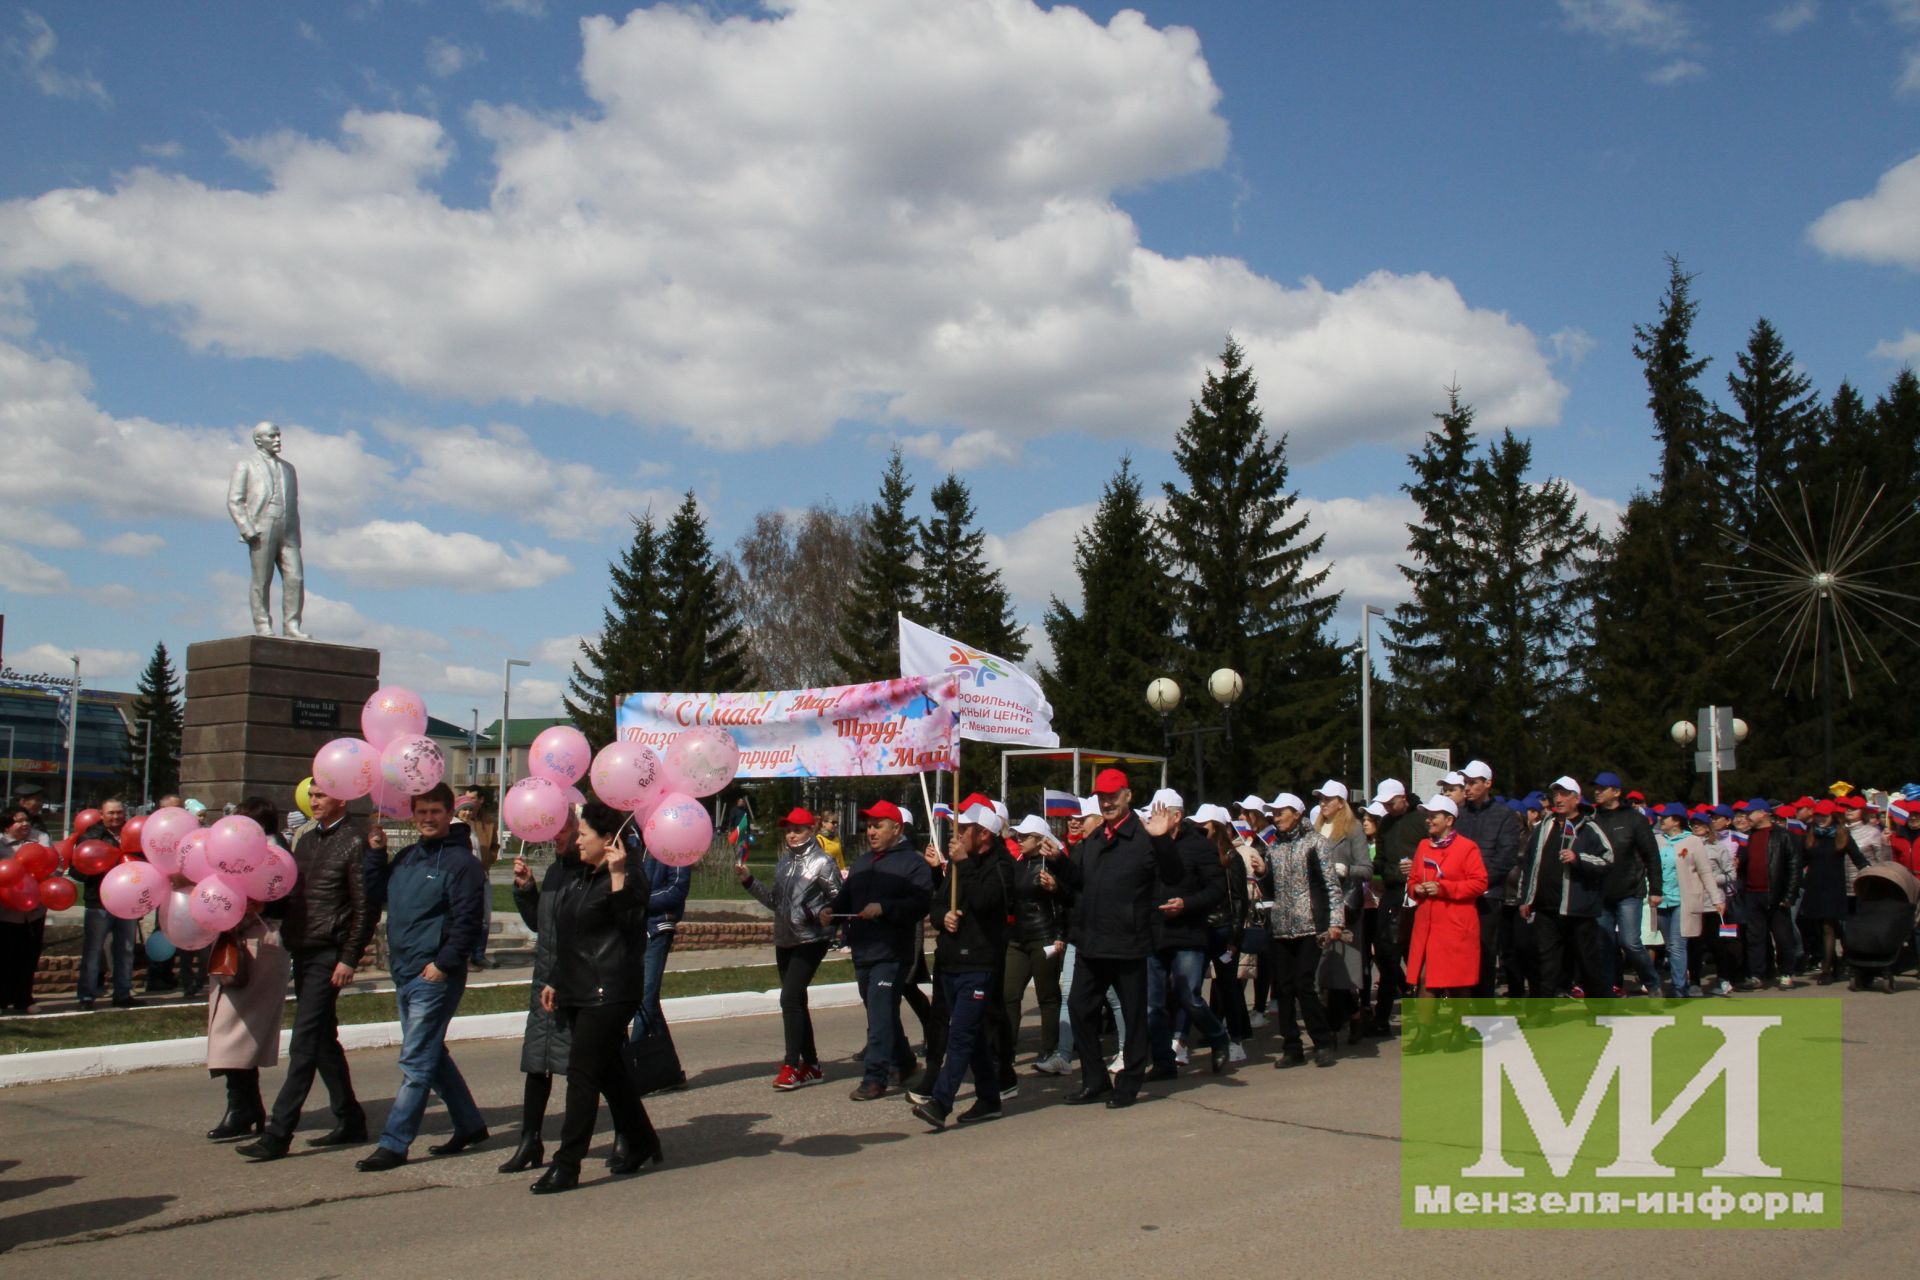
[884, 809]
[974, 799]
[1827, 809]
[1110, 781]
[796, 818]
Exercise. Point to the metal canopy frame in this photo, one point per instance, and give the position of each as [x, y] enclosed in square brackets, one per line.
[1078, 755]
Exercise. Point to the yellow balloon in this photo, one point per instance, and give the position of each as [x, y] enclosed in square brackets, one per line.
[303, 796]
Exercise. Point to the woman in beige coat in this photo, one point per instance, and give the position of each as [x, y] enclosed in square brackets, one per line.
[243, 1017]
[1687, 888]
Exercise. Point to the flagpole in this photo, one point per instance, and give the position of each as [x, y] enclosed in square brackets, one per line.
[953, 881]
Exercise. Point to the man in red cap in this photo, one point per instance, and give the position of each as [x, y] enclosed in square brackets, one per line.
[1111, 876]
[971, 947]
[887, 893]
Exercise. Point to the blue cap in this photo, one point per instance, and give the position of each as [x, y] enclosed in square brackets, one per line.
[1607, 780]
[1532, 804]
[1674, 809]
[1723, 811]
[1759, 802]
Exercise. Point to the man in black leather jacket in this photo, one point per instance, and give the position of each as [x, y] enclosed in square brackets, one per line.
[970, 947]
[1496, 829]
[327, 927]
[1178, 965]
[1766, 876]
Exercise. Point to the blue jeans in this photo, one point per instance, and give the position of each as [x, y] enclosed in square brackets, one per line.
[425, 1065]
[655, 964]
[970, 998]
[1620, 927]
[1066, 1019]
[99, 924]
[887, 1050]
[1174, 976]
[1669, 918]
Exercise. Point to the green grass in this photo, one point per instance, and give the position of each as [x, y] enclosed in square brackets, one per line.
[31, 1035]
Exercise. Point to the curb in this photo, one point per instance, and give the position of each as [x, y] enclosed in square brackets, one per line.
[118, 1059]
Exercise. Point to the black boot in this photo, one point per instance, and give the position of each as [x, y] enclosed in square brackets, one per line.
[557, 1178]
[245, 1113]
[268, 1146]
[630, 1156]
[530, 1154]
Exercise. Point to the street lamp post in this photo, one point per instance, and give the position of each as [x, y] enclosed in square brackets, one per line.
[473, 750]
[1367, 615]
[1686, 734]
[146, 765]
[506, 708]
[73, 737]
[9, 729]
[1163, 695]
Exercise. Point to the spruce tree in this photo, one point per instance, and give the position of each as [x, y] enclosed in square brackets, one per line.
[888, 583]
[1777, 426]
[1696, 460]
[702, 649]
[626, 657]
[1106, 654]
[1244, 595]
[961, 595]
[157, 719]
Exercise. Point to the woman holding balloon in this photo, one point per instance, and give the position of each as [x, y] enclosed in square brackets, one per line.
[21, 930]
[243, 1013]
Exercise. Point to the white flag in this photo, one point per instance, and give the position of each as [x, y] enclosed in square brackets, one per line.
[998, 701]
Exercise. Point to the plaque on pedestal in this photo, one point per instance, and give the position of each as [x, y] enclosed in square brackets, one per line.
[259, 707]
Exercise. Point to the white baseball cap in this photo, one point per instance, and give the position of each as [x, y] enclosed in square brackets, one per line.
[1090, 807]
[906, 816]
[1213, 813]
[1453, 779]
[1255, 803]
[1330, 788]
[1288, 800]
[1377, 809]
[1564, 783]
[1167, 798]
[1389, 789]
[1000, 807]
[1440, 804]
[981, 816]
[1034, 825]
[1479, 769]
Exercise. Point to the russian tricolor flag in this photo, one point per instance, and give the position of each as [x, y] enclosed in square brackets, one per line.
[1061, 804]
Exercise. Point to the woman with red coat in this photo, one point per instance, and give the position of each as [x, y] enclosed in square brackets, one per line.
[1444, 885]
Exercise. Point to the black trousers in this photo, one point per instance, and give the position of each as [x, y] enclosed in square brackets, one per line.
[1488, 909]
[1570, 949]
[596, 1067]
[315, 1046]
[19, 957]
[797, 965]
[1383, 927]
[1296, 961]
[1092, 977]
[1227, 996]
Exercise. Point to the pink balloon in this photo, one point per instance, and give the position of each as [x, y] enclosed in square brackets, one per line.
[390, 802]
[177, 922]
[392, 712]
[133, 889]
[217, 905]
[236, 845]
[345, 768]
[193, 857]
[413, 764]
[273, 879]
[161, 836]
[535, 809]
[679, 832]
[561, 753]
[574, 795]
[626, 774]
[706, 758]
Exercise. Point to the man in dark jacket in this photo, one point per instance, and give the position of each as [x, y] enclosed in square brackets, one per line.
[1562, 883]
[1399, 833]
[971, 945]
[433, 890]
[1191, 884]
[100, 928]
[886, 894]
[1111, 875]
[326, 930]
[1766, 875]
[1633, 881]
[1496, 829]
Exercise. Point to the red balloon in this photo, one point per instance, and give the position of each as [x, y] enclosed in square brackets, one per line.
[95, 858]
[39, 860]
[11, 871]
[130, 834]
[57, 893]
[63, 851]
[22, 895]
[86, 820]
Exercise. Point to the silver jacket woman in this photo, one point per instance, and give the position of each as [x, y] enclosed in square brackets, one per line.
[806, 880]
[1306, 893]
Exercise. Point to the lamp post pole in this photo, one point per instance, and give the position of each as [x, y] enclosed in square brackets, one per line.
[73, 737]
[506, 709]
[146, 765]
[1367, 615]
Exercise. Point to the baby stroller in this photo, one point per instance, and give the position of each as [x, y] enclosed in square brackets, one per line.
[1882, 924]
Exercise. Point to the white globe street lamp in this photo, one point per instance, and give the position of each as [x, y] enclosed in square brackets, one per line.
[1163, 695]
[1226, 686]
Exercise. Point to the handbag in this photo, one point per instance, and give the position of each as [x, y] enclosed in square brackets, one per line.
[227, 961]
[653, 1063]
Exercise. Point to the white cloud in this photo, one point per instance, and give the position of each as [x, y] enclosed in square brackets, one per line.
[170, 149]
[561, 651]
[1674, 72]
[1909, 81]
[896, 214]
[1572, 345]
[22, 523]
[1658, 25]
[448, 57]
[31, 56]
[333, 621]
[1792, 17]
[1881, 228]
[963, 452]
[1905, 348]
[95, 664]
[28, 574]
[1036, 560]
[405, 553]
[133, 544]
[525, 8]
[1605, 513]
[1366, 538]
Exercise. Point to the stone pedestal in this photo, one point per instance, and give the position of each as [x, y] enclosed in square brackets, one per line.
[259, 707]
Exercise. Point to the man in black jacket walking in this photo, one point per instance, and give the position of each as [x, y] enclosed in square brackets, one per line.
[1178, 965]
[886, 894]
[971, 944]
[1496, 829]
[1633, 881]
[327, 928]
[1399, 834]
[1561, 882]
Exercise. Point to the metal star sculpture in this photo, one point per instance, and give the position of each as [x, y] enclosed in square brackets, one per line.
[1829, 579]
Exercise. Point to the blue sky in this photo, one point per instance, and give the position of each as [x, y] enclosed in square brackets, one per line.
[506, 271]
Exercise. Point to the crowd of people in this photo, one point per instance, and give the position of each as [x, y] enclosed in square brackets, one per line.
[1148, 935]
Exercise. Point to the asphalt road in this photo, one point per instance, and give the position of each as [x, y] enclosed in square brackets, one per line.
[1256, 1173]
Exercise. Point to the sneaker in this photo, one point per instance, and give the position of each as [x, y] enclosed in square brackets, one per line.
[1695, 992]
[1786, 983]
[917, 1098]
[931, 1114]
[1180, 1052]
[1273, 1007]
[979, 1111]
[1256, 1020]
[1236, 1052]
[1723, 988]
[1009, 1086]
[1119, 1061]
[1749, 984]
[1052, 1065]
[789, 1078]
[808, 1074]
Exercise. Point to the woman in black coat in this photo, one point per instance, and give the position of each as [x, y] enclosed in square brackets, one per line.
[600, 944]
[543, 1047]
